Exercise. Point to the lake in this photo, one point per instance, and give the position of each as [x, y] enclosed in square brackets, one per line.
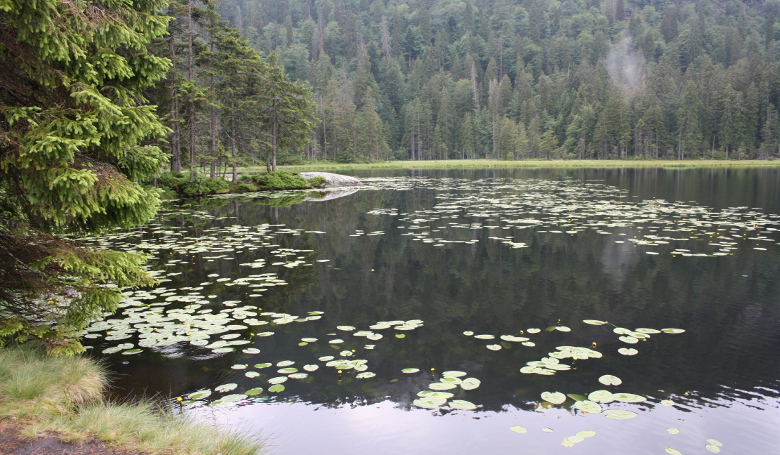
[534, 311]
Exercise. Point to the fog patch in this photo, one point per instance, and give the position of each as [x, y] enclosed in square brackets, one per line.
[626, 67]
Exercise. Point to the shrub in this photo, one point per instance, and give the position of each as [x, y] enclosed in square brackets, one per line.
[316, 182]
[188, 186]
[281, 180]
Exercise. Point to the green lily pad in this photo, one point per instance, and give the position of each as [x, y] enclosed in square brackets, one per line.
[518, 429]
[629, 398]
[410, 370]
[576, 396]
[453, 374]
[441, 386]
[277, 380]
[672, 451]
[594, 322]
[429, 402]
[262, 365]
[432, 394]
[586, 433]
[255, 391]
[667, 402]
[288, 370]
[673, 430]
[619, 414]
[470, 383]
[365, 375]
[226, 387]
[591, 407]
[672, 330]
[712, 448]
[276, 388]
[608, 379]
[311, 367]
[628, 351]
[462, 404]
[553, 397]
[714, 442]
[601, 396]
[199, 395]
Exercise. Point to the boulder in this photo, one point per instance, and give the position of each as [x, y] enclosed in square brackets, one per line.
[333, 180]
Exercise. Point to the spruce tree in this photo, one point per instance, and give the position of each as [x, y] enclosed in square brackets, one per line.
[75, 139]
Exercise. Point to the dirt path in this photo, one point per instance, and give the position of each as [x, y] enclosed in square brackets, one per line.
[49, 444]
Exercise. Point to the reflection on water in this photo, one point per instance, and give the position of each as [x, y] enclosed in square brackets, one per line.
[491, 274]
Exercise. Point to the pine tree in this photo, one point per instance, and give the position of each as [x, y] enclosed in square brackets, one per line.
[74, 141]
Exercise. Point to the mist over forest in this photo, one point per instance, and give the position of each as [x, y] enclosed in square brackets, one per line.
[503, 79]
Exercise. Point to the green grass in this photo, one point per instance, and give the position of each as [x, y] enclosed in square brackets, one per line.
[65, 394]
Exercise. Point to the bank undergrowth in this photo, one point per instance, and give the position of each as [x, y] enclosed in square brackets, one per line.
[66, 394]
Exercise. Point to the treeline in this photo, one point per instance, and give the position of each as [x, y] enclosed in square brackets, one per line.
[221, 99]
[513, 79]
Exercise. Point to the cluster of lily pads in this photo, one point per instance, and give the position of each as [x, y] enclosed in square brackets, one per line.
[564, 207]
[345, 363]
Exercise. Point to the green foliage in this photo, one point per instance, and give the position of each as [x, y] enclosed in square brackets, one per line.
[189, 185]
[281, 180]
[316, 182]
[75, 137]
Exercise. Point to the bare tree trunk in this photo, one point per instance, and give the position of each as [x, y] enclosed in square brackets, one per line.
[175, 127]
[233, 145]
[191, 77]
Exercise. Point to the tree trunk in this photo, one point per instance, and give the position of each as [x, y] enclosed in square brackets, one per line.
[175, 127]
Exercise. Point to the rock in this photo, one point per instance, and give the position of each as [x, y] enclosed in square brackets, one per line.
[333, 180]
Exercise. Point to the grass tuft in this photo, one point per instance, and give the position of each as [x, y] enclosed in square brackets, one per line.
[64, 394]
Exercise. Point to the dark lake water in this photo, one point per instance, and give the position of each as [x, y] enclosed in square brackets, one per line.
[469, 274]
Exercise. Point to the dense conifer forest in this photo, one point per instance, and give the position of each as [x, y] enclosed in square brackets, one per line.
[506, 79]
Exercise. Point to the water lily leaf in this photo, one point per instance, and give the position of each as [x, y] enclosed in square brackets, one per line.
[277, 380]
[410, 370]
[714, 442]
[628, 351]
[672, 330]
[547, 430]
[311, 367]
[462, 404]
[484, 337]
[533, 330]
[233, 397]
[132, 351]
[199, 395]
[518, 429]
[255, 391]
[453, 374]
[608, 379]
[586, 433]
[226, 387]
[451, 380]
[441, 386]
[251, 374]
[326, 358]
[667, 402]
[239, 366]
[429, 402]
[285, 363]
[468, 333]
[672, 451]
[629, 397]
[470, 383]
[365, 375]
[562, 328]
[345, 328]
[712, 448]
[494, 347]
[594, 322]
[673, 430]
[298, 375]
[576, 396]
[287, 370]
[251, 351]
[619, 414]
[554, 397]
[431, 393]
[588, 406]
[262, 365]
[601, 396]
[276, 388]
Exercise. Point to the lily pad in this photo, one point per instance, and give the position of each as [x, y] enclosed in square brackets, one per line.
[276, 388]
[601, 396]
[429, 402]
[199, 395]
[518, 429]
[608, 379]
[226, 387]
[672, 451]
[629, 398]
[619, 414]
[410, 370]
[554, 397]
[470, 383]
[628, 351]
[441, 386]
[672, 330]
[463, 405]
[255, 391]
[591, 407]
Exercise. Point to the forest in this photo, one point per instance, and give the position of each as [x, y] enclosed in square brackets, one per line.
[499, 79]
